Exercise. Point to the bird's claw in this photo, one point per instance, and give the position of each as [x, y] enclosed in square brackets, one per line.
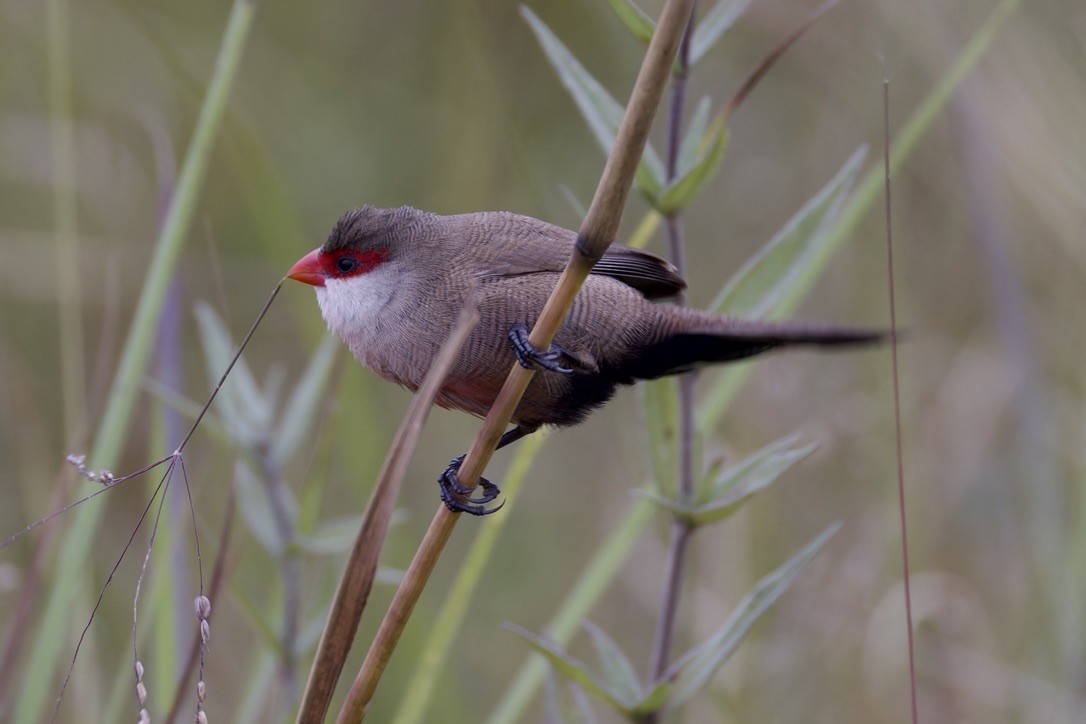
[454, 495]
[533, 358]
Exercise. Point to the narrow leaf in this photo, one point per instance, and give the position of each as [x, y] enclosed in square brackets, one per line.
[581, 706]
[695, 139]
[660, 403]
[654, 700]
[618, 672]
[679, 195]
[638, 22]
[189, 408]
[767, 284]
[335, 535]
[244, 407]
[715, 23]
[757, 471]
[671, 505]
[571, 668]
[695, 668]
[257, 510]
[301, 408]
[758, 287]
[602, 112]
[733, 487]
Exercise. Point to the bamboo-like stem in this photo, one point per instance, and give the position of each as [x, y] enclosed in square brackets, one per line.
[681, 529]
[361, 567]
[79, 536]
[598, 230]
[454, 607]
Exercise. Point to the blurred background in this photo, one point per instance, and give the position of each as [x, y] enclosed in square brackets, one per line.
[453, 107]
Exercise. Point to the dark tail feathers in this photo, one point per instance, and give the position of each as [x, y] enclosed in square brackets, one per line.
[730, 340]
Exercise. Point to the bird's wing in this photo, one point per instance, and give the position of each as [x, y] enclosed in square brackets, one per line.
[649, 274]
[516, 245]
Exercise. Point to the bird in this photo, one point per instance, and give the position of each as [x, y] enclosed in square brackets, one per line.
[391, 283]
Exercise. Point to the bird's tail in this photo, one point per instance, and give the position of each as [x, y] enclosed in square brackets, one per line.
[697, 338]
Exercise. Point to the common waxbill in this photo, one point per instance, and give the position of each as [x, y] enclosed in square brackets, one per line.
[391, 283]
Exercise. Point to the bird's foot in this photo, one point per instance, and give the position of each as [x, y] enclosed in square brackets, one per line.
[454, 495]
[533, 358]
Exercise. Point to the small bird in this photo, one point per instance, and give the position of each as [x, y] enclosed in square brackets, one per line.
[391, 284]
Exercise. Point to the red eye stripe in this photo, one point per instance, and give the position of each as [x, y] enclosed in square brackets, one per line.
[347, 263]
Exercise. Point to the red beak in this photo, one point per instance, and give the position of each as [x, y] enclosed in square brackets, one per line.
[309, 269]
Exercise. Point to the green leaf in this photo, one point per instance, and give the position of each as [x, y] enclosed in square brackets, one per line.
[694, 140]
[581, 707]
[189, 408]
[766, 285]
[257, 509]
[695, 668]
[572, 669]
[336, 535]
[636, 19]
[618, 672]
[723, 492]
[654, 700]
[245, 408]
[301, 408]
[660, 403]
[757, 471]
[602, 112]
[671, 505]
[715, 23]
[681, 192]
[735, 487]
[758, 287]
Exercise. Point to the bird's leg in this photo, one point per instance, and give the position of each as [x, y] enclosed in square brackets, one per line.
[533, 358]
[453, 494]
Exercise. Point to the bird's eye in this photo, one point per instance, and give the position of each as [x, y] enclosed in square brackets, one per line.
[345, 264]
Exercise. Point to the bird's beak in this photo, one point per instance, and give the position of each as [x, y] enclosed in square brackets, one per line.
[309, 269]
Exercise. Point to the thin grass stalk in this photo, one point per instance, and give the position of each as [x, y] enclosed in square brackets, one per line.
[596, 233]
[868, 191]
[223, 563]
[361, 566]
[681, 528]
[895, 376]
[70, 571]
[454, 608]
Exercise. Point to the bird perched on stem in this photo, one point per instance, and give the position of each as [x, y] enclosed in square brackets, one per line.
[391, 283]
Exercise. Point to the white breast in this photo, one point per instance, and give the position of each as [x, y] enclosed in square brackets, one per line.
[362, 311]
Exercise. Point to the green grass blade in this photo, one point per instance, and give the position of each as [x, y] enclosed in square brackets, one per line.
[70, 575]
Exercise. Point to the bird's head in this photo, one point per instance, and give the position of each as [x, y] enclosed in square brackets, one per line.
[361, 241]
